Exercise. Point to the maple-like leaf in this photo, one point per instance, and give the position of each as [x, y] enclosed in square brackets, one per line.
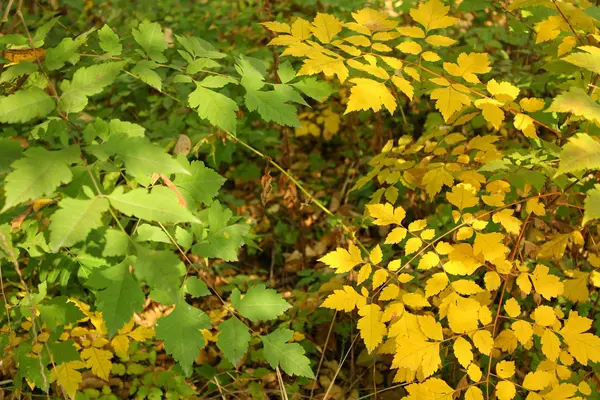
[386, 214]
[345, 299]
[580, 153]
[463, 196]
[468, 65]
[577, 102]
[325, 27]
[583, 346]
[98, 360]
[343, 260]
[490, 245]
[449, 100]
[290, 356]
[435, 179]
[433, 15]
[369, 94]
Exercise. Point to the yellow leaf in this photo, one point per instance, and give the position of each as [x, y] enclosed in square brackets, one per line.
[412, 245]
[506, 341]
[430, 327]
[98, 360]
[462, 261]
[490, 245]
[386, 36]
[374, 20]
[68, 377]
[537, 380]
[369, 94]
[417, 225]
[392, 62]
[410, 47]
[532, 104]
[463, 351]
[429, 260]
[413, 73]
[358, 40]
[463, 315]
[491, 111]
[301, 29]
[567, 44]
[386, 214]
[353, 51]
[505, 369]
[544, 315]
[524, 283]
[353, 26]
[430, 56]
[492, 280]
[415, 300]
[525, 124]
[534, 206]
[141, 334]
[474, 372]
[436, 284]
[449, 100]
[468, 65]
[440, 41]
[464, 233]
[396, 235]
[473, 393]
[404, 278]
[550, 28]
[343, 260]
[550, 345]
[466, 287]
[411, 31]
[394, 265]
[417, 353]
[404, 86]
[318, 62]
[505, 390]
[483, 341]
[389, 292]
[463, 196]
[275, 26]
[370, 68]
[443, 248]
[504, 91]
[364, 273]
[370, 326]
[523, 331]
[576, 289]
[485, 315]
[505, 218]
[381, 47]
[120, 345]
[435, 179]
[512, 308]
[554, 248]
[583, 346]
[345, 299]
[547, 285]
[325, 27]
[584, 388]
[376, 255]
[433, 15]
[379, 277]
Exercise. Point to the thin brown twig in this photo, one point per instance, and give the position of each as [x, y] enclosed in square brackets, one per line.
[568, 23]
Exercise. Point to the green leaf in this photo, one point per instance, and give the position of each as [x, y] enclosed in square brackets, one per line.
[198, 47]
[120, 296]
[129, 128]
[64, 351]
[160, 205]
[202, 185]
[578, 102]
[233, 339]
[87, 82]
[162, 271]
[143, 70]
[10, 151]
[289, 356]
[25, 105]
[218, 109]
[581, 152]
[314, 89]
[262, 304]
[29, 367]
[116, 243]
[592, 205]
[142, 158]
[109, 41]
[589, 60]
[180, 331]
[150, 36]
[223, 241]
[59, 311]
[216, 82]
[58, 56]
[285, 72]
[39, 173]
[272, 107]
[151, 233]
[15, 71]
[74, 221]
[196, 287]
